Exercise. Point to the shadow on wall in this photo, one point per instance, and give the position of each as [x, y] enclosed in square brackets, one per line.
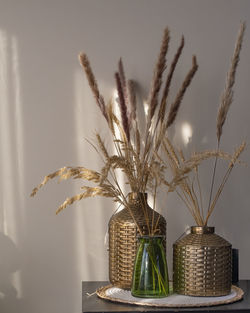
[22, 116]
[9, 264]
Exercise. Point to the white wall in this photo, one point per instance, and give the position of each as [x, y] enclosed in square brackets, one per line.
[47, 110]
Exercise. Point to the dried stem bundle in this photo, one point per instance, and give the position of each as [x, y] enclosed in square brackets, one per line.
[188, 188]
[135, 152]
[226, 100]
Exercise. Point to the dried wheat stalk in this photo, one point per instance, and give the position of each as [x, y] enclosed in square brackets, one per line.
[90, 192]
[123, 107]
[227, 95]
[123, 81]
[92, 83]
[132, 100]
[176, 104]
[158, 72]
[224, 180]
[162, 109]
[182, 168]
[226, 100]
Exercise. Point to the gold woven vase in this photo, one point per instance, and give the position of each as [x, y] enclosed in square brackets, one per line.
[202, 263]
[123, 234]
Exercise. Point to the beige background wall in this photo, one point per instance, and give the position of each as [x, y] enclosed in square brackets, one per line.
[46, 111]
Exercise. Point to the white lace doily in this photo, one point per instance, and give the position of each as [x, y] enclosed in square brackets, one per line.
[174, 300]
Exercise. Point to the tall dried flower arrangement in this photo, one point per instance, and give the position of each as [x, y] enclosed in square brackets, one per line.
[186, 172]
[136, 150]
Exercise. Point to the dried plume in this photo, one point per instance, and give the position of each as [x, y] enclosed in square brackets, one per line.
[90, 192]
[65, 173]
[123, 81]
[227, 95]
[186, 166]
[57, 173]
[102, 146]
[167, 145]
[138, 141]
[176, 104]
[123, 107]
[134, 151]
[226, 99]
[122, 163]
[236, 155]
[158, 72]
[169, 79]
[80, 173]
[189, 190]
[132, 100]
[84, 61]
[110, 117]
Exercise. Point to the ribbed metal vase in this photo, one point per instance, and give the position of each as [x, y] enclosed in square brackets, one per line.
[123, 234]
[202, 263]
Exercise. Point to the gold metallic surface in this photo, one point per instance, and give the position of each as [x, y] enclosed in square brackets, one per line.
[202, 230]
[123, 239]
[202, 264]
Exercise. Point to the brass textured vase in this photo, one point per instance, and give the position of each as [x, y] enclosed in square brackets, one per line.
[202, 263]
[123, 234]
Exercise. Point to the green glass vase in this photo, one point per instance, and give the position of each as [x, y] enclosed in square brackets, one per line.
[150, 278]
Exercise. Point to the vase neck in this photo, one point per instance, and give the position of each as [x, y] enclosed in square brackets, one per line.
[147, 239]
[137, 198]
[202, 230]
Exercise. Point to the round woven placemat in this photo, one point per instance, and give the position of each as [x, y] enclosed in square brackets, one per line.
[119, 295]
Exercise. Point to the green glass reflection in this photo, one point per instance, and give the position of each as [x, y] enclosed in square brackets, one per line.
[150, 279]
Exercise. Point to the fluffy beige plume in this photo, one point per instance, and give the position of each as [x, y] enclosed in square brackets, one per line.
[227, 95]
[90, 192]
[158, 72]
[176, 104]
[123, 107]
[132, 100]
[162, 109]
[84, 61]
[57, 173]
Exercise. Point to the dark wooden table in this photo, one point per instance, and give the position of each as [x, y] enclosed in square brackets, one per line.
[93, 304]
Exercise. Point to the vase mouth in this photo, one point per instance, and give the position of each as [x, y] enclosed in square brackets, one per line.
[150, 237]
[132, 196]
[202, 230]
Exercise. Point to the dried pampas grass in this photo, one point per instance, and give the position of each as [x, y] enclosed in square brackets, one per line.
[227, 95]
[169, 80]
[158, 72]
[135, 147]
[226, 100]
[185, 172]
[176, 104]
[84, 61]
[185, 178]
